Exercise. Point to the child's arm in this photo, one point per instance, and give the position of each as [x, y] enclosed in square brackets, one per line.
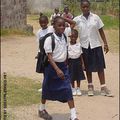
[71, 22]
[56, 68]
[102, 34]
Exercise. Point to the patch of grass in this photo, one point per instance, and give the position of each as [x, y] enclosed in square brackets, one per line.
[22, 91]
[33, 17]
[6, 32]
[113, 40]
[110, 22]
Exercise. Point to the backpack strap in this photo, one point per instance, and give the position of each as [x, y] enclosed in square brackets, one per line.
[53, 42]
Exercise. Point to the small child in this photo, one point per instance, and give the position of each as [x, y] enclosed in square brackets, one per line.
[43, 21]
[56, 83]
[56, 13]
[67, 13]
[75, 62]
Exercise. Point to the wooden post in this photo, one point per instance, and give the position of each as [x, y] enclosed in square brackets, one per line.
[5, 94]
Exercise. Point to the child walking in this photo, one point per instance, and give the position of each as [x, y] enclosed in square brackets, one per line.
[75, 62]
[56, 84]
[45, 29]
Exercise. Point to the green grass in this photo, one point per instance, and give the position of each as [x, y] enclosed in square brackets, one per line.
[7, 32]
[110, 22]
[113, 40]
[22, 91]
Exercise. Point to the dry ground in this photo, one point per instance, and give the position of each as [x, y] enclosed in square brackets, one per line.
[17, 59]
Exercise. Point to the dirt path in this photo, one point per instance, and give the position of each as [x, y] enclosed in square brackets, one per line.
[17, 58]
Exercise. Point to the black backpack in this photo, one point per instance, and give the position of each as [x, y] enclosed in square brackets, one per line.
[42, 60]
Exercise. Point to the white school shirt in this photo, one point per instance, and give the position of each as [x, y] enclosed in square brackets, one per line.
[74, 51]
[59, 54]
[42, 32]
[67, 32]
[88, 30]
[54, 15]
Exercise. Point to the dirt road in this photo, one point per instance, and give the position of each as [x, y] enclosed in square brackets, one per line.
[18, 59]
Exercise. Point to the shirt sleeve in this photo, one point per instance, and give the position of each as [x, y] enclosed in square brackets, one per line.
[67, 31]
[38, 36]
[99, 23]
[48, 45]
[76, 19]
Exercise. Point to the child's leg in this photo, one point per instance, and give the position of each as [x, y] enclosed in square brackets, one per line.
[78, 83]
[73, 88]
[89, 77]
[42, 111]
[104, 89]
[42, 106]
[90, 85]
[101, 76]
[78, 91]
[72, 109]
[73, 84]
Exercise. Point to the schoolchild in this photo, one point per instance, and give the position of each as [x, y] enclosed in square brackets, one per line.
[75, 62]
[56, 84]
[90, 28]
[45, 29]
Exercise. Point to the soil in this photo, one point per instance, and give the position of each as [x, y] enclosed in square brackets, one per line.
[18, 59]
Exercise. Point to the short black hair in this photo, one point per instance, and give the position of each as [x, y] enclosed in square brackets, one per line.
[56, 19]
[75, 31]
[82, 1]
[43, 17]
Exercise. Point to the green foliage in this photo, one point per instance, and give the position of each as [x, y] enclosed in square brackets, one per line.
[104, 8]
[110, 22]
[22, 91]
[73, 6]
[6, 32]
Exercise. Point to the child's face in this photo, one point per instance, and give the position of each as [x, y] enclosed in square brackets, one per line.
[73, 37]
[59, 26]
[66, 10]
[56, 11]
[43, 23]
[85, 7]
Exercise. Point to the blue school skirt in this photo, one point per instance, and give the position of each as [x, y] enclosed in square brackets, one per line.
[93, 59]
[75, 70]
[54, 88]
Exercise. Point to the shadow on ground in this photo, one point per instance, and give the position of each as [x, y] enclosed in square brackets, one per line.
[85, 92]
[57, 116]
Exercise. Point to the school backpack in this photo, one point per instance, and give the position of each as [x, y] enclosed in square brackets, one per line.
[42, 60]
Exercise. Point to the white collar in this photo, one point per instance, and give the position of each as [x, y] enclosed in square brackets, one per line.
[58, 38]
[91, 14]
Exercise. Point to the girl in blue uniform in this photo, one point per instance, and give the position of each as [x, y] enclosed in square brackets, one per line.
[90, 28]
[56, 84]
[75, 62]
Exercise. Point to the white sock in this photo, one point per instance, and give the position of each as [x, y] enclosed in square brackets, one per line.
[103, 85]
[90, 84]
[42, 107]
[73, 113]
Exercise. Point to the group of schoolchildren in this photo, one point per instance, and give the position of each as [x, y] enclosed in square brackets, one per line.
[70, 58]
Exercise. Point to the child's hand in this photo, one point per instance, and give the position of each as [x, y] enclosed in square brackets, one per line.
[106, 49]
[60, 74]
